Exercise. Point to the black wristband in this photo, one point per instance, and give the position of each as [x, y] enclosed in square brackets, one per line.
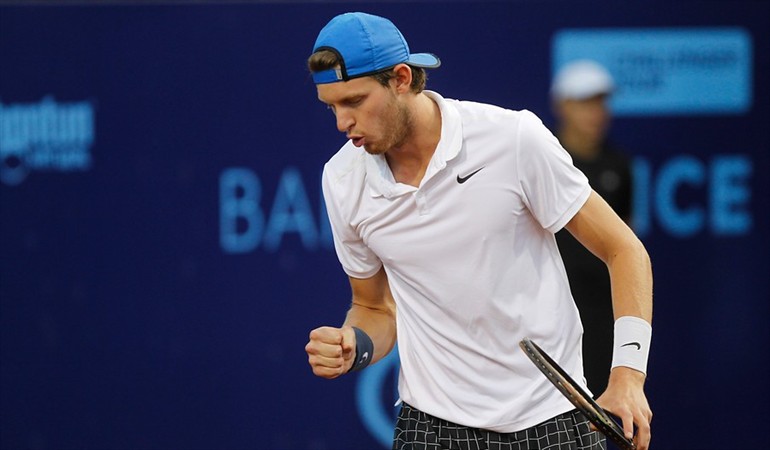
[364, 350]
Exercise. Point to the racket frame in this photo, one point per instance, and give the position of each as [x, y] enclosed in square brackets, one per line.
[576, 395]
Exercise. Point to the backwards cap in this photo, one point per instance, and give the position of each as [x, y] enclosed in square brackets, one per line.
[366, 44]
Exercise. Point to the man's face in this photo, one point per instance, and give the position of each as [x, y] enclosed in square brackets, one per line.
[369, 113]
[590, 116]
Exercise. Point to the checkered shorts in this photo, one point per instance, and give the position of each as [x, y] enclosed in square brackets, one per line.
[416, 430]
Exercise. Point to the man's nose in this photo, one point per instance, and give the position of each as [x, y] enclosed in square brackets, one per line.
[344, 121]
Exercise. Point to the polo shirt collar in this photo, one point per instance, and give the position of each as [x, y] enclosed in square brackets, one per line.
[379, 177]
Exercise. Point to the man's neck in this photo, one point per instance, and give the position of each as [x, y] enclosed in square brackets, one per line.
[409, 162]
[578, 144]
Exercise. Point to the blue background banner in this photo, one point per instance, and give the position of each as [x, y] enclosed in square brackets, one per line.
[668, 70]
[164, 250]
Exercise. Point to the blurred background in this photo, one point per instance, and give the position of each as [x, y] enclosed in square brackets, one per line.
[164, 250]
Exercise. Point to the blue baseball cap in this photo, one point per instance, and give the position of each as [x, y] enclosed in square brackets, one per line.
[366, 44]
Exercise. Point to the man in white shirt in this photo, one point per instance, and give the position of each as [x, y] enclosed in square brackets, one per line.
[443, 215]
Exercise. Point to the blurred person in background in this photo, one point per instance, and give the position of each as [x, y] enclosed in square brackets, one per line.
[580, 93]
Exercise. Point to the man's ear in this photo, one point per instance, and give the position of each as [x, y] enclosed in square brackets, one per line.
[403, 77]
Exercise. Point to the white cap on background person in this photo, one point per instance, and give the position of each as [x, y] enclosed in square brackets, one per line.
[580, 80]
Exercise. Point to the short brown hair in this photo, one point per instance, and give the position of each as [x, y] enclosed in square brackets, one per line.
[326, 59]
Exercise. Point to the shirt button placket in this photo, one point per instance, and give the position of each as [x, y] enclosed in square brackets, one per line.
[422, 203]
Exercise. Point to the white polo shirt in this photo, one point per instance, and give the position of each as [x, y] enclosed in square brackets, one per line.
[471, 260]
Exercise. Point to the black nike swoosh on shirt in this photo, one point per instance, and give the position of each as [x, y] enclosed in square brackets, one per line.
[462, 180]
[635, 344]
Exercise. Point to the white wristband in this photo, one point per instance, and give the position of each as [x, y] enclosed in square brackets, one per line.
[632, 343]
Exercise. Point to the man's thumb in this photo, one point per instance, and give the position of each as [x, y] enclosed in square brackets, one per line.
[348, 342]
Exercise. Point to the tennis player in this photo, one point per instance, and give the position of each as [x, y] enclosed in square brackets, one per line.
[443, 214]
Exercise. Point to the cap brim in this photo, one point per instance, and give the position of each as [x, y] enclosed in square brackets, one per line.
[426, 60]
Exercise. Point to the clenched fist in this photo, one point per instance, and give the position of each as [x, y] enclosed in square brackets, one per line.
[331, 351]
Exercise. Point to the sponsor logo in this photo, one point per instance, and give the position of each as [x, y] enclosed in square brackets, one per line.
[247, 222]
[462, 180]
[686, 195]
[633, 344]
[47, 136]
[719, 201]
[667, 71]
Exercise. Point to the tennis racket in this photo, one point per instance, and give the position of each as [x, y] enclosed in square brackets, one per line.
[576, 395]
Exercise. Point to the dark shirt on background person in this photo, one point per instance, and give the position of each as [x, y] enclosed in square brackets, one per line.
[579, 94]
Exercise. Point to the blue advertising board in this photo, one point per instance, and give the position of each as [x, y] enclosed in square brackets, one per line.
[165, 251]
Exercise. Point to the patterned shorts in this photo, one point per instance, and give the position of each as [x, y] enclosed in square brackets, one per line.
[416, 430]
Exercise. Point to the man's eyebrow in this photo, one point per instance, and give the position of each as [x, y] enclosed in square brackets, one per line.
[351, 98]
[346, 98]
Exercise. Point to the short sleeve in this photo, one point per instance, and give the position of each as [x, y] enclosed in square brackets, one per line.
[554, 189]
[357, 260]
